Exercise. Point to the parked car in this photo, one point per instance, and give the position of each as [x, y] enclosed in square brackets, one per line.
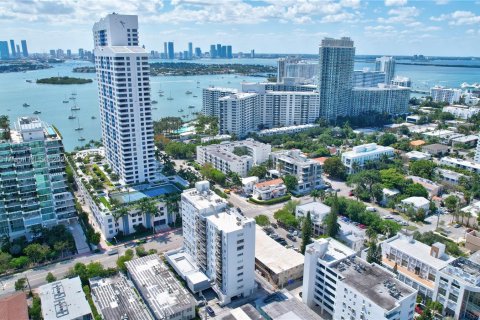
[112, 252]
[350, 193]
[291, 237]
[404, 223]
[210, 311]
[295, 233]
[456, 225]
[289, 246]
[274, 225]
[389, 217]
[371, 209]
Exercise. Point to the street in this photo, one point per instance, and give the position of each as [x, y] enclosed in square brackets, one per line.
[36, 276]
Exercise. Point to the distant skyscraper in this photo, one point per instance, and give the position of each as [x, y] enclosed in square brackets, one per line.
[19, 53]
[387, 65]
[69, 53]
[4, 54]
[12, 48]
[53, 53]
[124, 98]
[252, 54]
[219, 50]
[198, 52]
[336, 58]
[213, 51]
[229, 52]
[24, 48]
[165, 50]
[190, 50]
[171, 51]
[60, 53]
[81, 53]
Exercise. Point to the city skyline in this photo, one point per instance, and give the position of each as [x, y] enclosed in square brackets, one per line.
[377, 27]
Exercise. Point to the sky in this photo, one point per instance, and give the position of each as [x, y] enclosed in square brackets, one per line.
[393, 27]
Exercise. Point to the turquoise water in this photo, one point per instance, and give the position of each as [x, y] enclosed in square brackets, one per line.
[127, 197]
[14, 91]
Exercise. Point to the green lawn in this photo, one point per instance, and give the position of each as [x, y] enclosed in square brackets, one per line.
[105, 202]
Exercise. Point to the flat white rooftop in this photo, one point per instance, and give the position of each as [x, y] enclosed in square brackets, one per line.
[330, 250]
[273, 255]
[203, 199]
[419, 251]
[366, 149]
[229, 221]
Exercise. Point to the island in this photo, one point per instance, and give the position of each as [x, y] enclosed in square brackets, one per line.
[192, 69]
[22, 66]
[63, 80]
[84, 69]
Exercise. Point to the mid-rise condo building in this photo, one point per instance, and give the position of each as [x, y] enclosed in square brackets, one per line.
[367, 78]
[33, 187]
[239, 114]
[442, 94]
[211, 105]
[384, 99]
[387, 66]
[124, 98]
[355, 159]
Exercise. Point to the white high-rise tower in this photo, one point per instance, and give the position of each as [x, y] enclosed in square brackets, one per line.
[124, 98]
[387, 65]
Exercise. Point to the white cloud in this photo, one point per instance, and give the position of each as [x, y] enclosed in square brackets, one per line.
[391, 3]
[441, 2]
[458, 18]
[403, 15]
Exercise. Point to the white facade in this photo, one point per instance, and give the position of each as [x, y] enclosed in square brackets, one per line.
[335, 77]
[221, 242]
[418, 264]
[449, 176]
[442, 94]
[367, 78]
[124, 98]
[286, 130]
[384, 99]
[307, 171]
[416, 203]
[402, 82]
[477, 152]
[337, 283]
[458, 289]
[222, 156]
[460, 111]
[363, 153]
[386, 65]
[462, 164]
[239, 114]
[211, 106]
[318, 212]
[269, 189]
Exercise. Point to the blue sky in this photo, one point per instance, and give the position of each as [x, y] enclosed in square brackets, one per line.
[441, 27]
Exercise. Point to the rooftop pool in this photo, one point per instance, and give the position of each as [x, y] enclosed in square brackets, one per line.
[151, 192]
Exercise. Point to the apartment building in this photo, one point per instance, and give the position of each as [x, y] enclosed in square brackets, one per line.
[286, 130]
[210, 96]
[123, 76]
[340, 285]
[219, 242]
[32, 178]
[417, 264]
[236, 156]
[293, 162]
[355, 159]
[239, 114]
[385, 99]
[386, 65]
[461, 111]
[458, 289]
[367, 78]
[442, 94]
[461, 164]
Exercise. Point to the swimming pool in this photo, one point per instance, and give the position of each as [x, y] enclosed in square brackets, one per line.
[135, 195]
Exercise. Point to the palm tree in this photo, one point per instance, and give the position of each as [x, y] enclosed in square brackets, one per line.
[315, 194]
[371, 234]
[147, 206]
[119, 213]
[355, 166]
[321, 194]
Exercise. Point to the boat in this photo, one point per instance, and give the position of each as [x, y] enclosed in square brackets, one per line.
[181, 110]
[155, 108]
[79, 128]
[25, 105]
[71, 117]
[198, 81]
[81, 139]
[188, 92]
[191, 107]
[75, 108]
[160, 95]
[65, 101]
[36, 112]
[154, 101]
[228, 81]
[195, 96]
[170, 96]
[29, 81]
[93, 117]
[72, 98]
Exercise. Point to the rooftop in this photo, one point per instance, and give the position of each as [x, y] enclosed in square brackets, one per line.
[286, 307]
[64, 298]
[418, 155]
[317, 209]
[203, 198]
[461, 162]
[163, 293]
[268, 183]
[294, 155]
[245, 312]
[464, 139]
[365, 149]
[289, 128]
[229, 221]
[14, 306]
[238, 95]
[373, 282]
[272, 254]
[329, 250]
[416, 201]
[464, 270]
[115, 298]
[417, 143]
[419, 251]
[436, 147]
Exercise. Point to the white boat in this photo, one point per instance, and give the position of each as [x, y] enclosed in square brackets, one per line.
[170, 96]
[79, 128]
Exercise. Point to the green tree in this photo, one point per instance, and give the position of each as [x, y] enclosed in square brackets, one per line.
[451, 202]
[332, 227]
[235, 178]
[416, 190]
[391, 178]
[374, 253]
[20, 262]
[285, 218]
[307, 231]
[423, 168]
[334, 168]
[420, 214]
[387, 139]
[291, 182]
[140, 251]
[37, 252]
[20, 284]
[5, 259]
[262, 220]
[258, 171]
[291, 206]
[50, 277]
[35, 310]
[315, 194]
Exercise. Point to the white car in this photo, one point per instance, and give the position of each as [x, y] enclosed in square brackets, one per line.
[371, 209]
[389, 217]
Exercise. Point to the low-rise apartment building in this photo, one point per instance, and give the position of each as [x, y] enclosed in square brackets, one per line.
[269, 189]
[461, 164]
[355, 159]
[433, 188]
[293, 162]
[235, 156]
